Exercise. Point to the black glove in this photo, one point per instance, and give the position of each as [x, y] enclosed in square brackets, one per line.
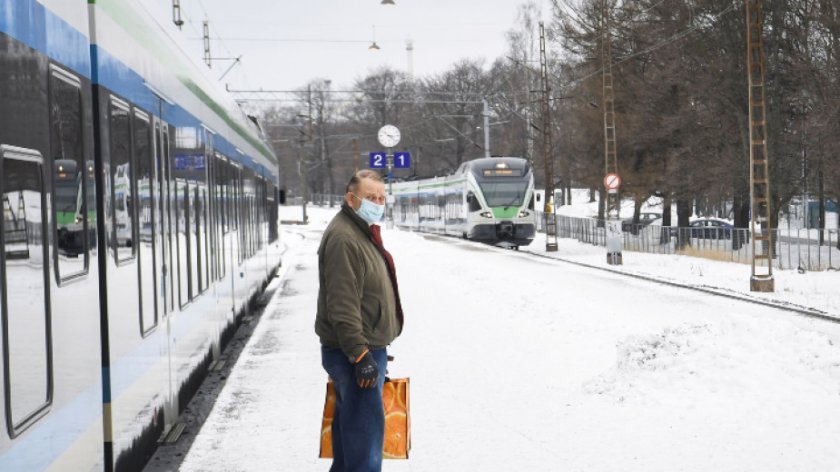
[367, 371]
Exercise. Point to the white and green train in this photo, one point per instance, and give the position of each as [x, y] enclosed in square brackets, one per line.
[490, 200]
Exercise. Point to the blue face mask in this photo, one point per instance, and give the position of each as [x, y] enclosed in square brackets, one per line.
[369, 211]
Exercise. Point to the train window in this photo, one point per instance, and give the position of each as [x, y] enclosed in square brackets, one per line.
[231, 191]
[182, 234]
[71, 175]
[24, 293]
[218, 185]
[122, 197]
[205, 236]
[212, 218]
[166, 180]
[145, 191]
[198, 244]
[273, 198]
[472, 202]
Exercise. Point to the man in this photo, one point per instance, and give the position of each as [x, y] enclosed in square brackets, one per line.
[359, 314]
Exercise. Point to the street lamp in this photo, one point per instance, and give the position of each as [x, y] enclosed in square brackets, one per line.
[373, 46]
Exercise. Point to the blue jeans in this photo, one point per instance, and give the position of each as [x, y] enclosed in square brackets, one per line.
[358, 428]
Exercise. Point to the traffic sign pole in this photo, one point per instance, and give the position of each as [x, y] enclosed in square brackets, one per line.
[615, 240]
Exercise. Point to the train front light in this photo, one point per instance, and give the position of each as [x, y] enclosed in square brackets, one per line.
[486, 214]
[524, 213]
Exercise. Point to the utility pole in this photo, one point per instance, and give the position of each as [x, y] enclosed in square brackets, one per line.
[355, 142]
[207, 59]
[613, 226]
[176, 14]
[304, 191]
[550, 220]
[486, 113]
[760, 224]
[310, 132]
[529, 145]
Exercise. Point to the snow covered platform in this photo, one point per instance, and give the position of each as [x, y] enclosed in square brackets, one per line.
[523, 363]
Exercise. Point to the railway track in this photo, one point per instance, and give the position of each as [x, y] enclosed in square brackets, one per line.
[711, 290]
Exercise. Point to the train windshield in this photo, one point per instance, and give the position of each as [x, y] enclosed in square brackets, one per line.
[504, 194]
[67, 187]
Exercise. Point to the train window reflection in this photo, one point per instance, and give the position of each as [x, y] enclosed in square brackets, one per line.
[122, 196]
[70, 180]
[25, 315]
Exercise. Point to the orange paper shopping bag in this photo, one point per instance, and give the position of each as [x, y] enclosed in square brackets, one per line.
[397, 420]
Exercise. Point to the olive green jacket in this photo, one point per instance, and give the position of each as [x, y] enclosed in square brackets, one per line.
[356, 303]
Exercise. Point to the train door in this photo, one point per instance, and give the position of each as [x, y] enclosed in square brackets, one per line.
[162, 221]
[147, 245]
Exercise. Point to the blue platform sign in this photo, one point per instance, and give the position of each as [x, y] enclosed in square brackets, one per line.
[402, 160]
[378, 160]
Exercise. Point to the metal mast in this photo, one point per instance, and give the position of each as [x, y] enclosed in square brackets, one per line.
[550, 220]
[760, 228]
[614, 239]
[207, 58]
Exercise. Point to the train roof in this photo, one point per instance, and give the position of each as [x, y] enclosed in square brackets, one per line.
[479, 165]
[133, 47]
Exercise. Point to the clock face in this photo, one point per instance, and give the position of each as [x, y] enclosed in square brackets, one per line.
[389, 136]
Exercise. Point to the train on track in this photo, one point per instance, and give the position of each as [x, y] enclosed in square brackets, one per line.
[139, 222]
[490, 200]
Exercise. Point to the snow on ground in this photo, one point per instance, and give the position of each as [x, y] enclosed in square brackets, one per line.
[529, 364]
[817, 290]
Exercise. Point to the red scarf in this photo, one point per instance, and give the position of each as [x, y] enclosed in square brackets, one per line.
[376, 237]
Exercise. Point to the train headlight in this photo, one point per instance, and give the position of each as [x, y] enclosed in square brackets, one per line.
[524, 213]
[486, 214]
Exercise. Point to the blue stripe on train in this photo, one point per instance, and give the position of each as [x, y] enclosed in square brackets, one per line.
[35, 26]
[124, 81]
[53, 434]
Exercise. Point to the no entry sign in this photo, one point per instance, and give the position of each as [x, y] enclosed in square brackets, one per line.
[612, 181]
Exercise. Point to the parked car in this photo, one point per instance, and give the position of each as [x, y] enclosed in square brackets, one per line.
[645, 218]
[708, 228]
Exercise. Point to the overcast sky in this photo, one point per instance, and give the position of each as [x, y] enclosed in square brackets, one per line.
[286, 43]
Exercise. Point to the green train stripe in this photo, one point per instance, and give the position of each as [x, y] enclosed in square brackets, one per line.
[119, 11]
[505, 212]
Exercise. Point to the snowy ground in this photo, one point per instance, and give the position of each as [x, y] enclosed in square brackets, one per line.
[529, 364]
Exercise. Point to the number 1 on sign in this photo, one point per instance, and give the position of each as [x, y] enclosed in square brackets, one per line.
[402, 160]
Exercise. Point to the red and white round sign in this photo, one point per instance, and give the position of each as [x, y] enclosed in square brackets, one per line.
[612, 181]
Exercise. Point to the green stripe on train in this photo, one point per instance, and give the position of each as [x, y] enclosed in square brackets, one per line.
[505, 212]
[120, 12]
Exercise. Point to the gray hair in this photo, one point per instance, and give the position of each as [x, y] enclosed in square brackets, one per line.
[362, 174]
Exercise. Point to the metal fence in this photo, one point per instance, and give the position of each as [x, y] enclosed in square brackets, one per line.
[319, 199]
[802, 249]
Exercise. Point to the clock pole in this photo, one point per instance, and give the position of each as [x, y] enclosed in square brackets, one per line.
[389, 158]
[389, 136]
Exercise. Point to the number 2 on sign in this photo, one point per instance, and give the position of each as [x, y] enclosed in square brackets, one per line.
[377, 160]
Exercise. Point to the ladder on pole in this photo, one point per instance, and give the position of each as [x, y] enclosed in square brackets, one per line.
[614, 238]
[760, 224]
[550, 204]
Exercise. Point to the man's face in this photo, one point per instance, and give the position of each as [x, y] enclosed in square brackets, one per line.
[368, 190]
